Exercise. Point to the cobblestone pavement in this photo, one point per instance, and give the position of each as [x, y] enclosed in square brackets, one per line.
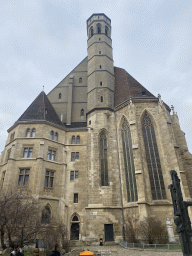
[118, 250]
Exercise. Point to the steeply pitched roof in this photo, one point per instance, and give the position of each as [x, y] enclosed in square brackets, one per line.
[126, 86]
[41, 109]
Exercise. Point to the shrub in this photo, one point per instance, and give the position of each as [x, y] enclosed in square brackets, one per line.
[153, 231]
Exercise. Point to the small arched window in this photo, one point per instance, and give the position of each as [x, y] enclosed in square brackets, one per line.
[75, 218]
[56, 136]
[33, 132]
[98, 28]
[28, 132]
[101, 98]
[46, 111]
[51, 135]
[106, 31]
[59, 96]
[46, 215]
[73, 140]
[82, 112]
[91, 32]
[78, 139]
[80, 80]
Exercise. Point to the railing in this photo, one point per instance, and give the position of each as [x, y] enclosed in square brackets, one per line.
[175, 247]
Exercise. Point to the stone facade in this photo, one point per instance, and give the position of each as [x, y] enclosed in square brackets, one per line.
[91, 185]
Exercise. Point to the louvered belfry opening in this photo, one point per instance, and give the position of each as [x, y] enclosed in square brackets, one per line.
[153, 160]
[129, 163]
[103, 159]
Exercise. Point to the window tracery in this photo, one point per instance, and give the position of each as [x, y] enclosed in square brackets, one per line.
[129, 163]
[153, 159]
[103, 160]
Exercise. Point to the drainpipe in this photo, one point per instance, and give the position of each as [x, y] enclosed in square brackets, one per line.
[123, 223]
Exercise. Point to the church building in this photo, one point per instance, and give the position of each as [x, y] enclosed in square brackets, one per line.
[98, 148]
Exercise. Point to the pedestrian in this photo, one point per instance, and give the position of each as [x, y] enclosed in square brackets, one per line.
[56, 251]
[36, 251]
[16, 251]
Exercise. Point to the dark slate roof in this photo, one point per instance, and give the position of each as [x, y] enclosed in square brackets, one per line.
[126, 86]
[37, 111]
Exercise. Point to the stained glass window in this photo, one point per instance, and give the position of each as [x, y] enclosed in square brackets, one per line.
[129, 163]
[103, 160]
[153, 160]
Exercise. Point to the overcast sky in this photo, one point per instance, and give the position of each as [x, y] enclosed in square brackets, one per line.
[43, 40]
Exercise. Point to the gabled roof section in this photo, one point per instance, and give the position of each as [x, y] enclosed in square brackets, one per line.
[41, 109]
[126, 86]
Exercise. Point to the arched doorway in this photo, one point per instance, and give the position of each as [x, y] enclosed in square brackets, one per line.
[75, 228]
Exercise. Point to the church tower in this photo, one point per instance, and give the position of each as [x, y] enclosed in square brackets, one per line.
[100, 70]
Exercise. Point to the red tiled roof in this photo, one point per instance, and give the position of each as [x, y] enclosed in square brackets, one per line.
[38, 109]
[126, 86]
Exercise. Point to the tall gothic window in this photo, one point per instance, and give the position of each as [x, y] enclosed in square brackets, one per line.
[129, 163]
[153, 160]
[103, 160]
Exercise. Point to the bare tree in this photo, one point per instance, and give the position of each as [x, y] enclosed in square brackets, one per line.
[131, 231]
[19, 218]
[55, 233]
[153, 231]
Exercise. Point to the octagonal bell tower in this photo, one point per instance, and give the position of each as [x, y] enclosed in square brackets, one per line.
[100, 63]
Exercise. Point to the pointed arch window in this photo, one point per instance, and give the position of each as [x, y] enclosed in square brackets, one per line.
[129, 163]
[46, 215]
[51, 135]
[59, 96]
[28, 132]
[80, 80]
[106, 30]
[103, 160]
[82, 112]
[33, 132]
[101, 98]
[73, 140]
[75, 218]
[56, 136]
[78, 139]
[98, 28]
[91, 32]
[153, 160]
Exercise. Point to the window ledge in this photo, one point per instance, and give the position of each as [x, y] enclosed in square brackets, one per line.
[48, 188]
[28, 158]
